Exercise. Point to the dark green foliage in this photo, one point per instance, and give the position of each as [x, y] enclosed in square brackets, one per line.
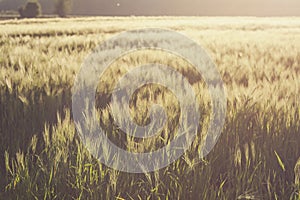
[63, 7]
[30, 10]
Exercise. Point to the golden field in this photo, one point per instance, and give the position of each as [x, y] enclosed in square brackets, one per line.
[42, 156]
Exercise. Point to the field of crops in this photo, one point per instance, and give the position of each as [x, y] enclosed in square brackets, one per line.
[42, 156]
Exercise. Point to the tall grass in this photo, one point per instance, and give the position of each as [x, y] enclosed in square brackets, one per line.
[42, 156]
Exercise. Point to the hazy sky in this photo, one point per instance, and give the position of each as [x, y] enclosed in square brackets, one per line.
[190, 7]
[174, 7]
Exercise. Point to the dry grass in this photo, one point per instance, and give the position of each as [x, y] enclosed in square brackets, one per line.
[258, 59]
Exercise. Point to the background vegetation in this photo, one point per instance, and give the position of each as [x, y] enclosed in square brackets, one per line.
[42, 157]
[30, 10]
[62, 7]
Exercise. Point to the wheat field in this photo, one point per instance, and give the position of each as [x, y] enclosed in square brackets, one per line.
[42, 156]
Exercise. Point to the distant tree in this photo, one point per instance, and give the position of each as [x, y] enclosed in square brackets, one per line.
[63, 7]
[30, 10]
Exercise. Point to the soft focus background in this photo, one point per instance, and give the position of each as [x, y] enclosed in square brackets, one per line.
[172, 7]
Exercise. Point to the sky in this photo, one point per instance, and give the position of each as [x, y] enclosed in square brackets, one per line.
[174, 7]
[191, 7]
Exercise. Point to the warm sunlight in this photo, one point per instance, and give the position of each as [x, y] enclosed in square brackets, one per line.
[174, 7]
[150, 99]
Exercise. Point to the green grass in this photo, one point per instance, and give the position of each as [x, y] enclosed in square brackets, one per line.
[43, 158]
